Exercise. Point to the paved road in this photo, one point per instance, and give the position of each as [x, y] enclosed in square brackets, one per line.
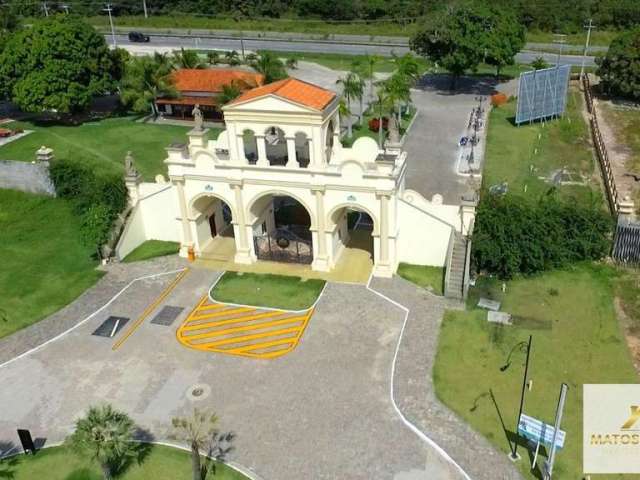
[168, 42]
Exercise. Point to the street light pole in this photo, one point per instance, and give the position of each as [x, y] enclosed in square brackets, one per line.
[586, 46]
[109, 9]
[514, 451]
[45, 8]
[144, 7]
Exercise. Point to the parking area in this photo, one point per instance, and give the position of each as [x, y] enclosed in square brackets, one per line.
[321, 411]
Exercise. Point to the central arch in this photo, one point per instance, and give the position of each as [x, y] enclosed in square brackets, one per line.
[282, 226]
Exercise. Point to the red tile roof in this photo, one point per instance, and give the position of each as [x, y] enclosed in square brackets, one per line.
[212, 79]
[188, 101]
[291, 89]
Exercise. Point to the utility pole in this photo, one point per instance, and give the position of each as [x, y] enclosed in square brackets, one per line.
[46, 10]
[556, 429]
[514, 449]
[586, 46]
[109, 9]
[65, 7]
[144, 7]
[560, 41]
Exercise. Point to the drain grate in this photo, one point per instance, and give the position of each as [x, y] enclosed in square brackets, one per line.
[167, 315]
[110, 327]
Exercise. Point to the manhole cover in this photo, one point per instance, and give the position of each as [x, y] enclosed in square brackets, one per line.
[198, 392]
[167, 315]
[110, 327]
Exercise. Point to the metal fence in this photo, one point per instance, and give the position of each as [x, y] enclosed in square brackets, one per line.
[282, 245]
[626, 244]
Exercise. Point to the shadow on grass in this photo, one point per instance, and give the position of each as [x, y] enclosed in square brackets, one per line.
[220, 446]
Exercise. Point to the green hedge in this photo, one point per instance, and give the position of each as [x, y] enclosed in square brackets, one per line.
[97, 198]
[513, 235]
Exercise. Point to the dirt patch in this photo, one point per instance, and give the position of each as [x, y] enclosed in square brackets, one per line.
[631, 333]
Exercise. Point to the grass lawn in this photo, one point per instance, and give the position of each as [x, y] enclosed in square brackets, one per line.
[548, 147]
[152, 249]
[576, 339]
[58, 463]
[344, 62]
[431, 278]
[265, 290]
[44, 262]
[102, 143]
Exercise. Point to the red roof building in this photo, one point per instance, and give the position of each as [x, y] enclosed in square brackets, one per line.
[203, 87]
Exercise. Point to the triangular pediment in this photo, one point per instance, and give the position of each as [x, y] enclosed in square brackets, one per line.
[269, 103]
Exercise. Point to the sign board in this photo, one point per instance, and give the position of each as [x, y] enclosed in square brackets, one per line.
[539, 432]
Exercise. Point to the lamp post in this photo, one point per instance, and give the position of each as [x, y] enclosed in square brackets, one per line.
[108, 8]
[520, 345]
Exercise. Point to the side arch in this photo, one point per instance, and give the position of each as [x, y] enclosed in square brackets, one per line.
[193, 211]
[354, 206]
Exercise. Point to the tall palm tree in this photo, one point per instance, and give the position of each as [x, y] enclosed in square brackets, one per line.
[398, 89]
[188, 59]
[232, 57]
[352, 88]
[106, 436]
[199, 431]
[269, 65]
[345, 112]
[144, 81]
[383, 104]
[366, 68]
[407, 65]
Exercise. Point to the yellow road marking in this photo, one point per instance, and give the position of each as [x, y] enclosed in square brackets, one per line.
[244, 328]
[241, 321]
[246, 318]
[150, 308]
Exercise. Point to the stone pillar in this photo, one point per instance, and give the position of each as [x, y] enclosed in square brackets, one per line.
[243, 251]
[321, 258]
[382, 268]
[263, 161]
[44, 154]
[467, 213]
[312, 153]
[242, 157]
[197, 138]
[187, 241]
[132, 180]
[292, 161]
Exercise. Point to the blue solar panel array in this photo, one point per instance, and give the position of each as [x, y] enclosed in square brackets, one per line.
[542, 93]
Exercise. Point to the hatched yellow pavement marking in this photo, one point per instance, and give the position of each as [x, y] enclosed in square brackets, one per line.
[240, 329]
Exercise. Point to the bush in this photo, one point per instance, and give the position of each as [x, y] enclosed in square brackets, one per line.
[499, 99]
[619, 69]
[374, 124]
[513, 235]
[96, 198]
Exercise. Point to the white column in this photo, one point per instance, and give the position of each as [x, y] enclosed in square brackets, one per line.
[187, 241]
[243, 252]
[292, 161]
[262, 151]
[382, 268]
[242, 158]
[321, 259]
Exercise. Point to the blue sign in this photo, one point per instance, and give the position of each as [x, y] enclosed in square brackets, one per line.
[539, 432]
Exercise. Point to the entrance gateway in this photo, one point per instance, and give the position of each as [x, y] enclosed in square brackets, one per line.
[279, 185]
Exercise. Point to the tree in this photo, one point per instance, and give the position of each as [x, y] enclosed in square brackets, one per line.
[619, 69]
[454, 39]
[59, 64]
[187, 59]
[269, 65]
[229, 92]
[384, 104]
[232, 58]
[213, 58]
[352, 86]
[539, 63]
[106, 436]
[504, 38]
[365, 68]
[199, 431]
[398, 91]
[145, 80]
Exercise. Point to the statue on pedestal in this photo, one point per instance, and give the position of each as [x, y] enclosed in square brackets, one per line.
[197, 117]
[129, 169]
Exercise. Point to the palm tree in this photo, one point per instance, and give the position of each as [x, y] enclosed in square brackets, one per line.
[345, 112]
[106, 436]
[145, 80]
[352, 86]
[407, 65]
[398, 88]
[269, 65]
[229, 92]
[213, 58]
[199, 431]
[188, 59]
[250, 58]
[383, 104]
[366, 69]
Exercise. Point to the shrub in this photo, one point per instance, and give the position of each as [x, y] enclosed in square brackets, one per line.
[513, 235]
[97, 198]
[498, 99]
[374, 124]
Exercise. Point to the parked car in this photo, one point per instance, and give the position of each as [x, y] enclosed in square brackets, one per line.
[138, 37]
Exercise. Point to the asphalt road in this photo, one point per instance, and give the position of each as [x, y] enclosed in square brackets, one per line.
[167, 42]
